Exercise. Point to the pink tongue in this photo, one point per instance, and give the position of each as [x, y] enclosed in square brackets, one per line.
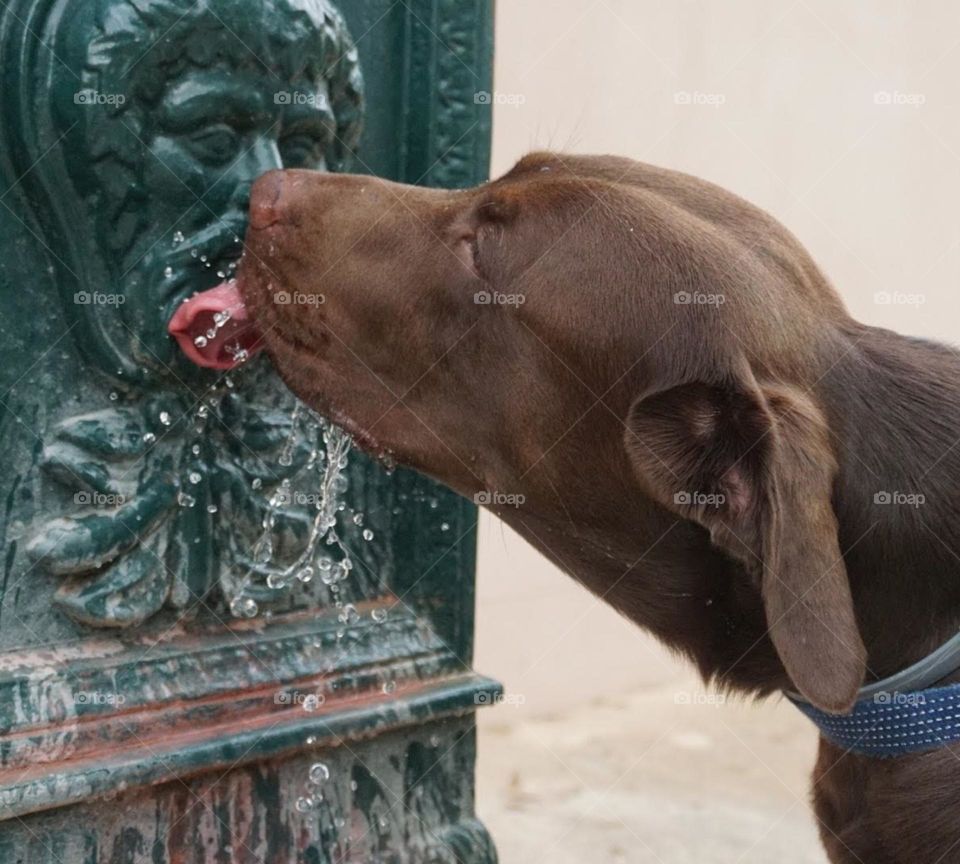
[206, 343]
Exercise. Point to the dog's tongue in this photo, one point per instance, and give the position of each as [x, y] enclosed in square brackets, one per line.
[213, 328]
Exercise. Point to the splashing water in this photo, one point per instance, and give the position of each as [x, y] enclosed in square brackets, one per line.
[329, 465]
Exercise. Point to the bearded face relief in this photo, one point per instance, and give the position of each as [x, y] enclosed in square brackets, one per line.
[177, 107]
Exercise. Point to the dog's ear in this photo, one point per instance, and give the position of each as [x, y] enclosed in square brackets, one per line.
[755, 467]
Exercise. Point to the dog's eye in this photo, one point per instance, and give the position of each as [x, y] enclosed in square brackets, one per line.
[474, 246]
[468, 251]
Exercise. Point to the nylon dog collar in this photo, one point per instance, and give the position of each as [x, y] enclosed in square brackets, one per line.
[901, 714]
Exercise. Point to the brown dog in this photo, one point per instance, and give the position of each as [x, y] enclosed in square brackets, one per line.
[700, 432]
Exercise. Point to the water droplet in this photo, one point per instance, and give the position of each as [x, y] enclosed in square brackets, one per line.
[389, 686]
[263, 551]
[311, 739]
[203, 258]
[306, 574]
[193, 253]
[195, 477]
[221, 274]
[367, 534]
[256, 483]
[168, 272]
[319, 773]
[353, 786]
[304, 805]
[349, 614]
[444, 526]
[114, 396]
[149, 437]
[212, 333]
[313, 701]
[212, 508]
[379, 615]
[243, 607]
[276, 581]
[358, 518]
[434, 740]
[177, 238]
[221, 318]
[165, 418]
[200, 341]
[195, 449]
[185, 500]
[203, 411]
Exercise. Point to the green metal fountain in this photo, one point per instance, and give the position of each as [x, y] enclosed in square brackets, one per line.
[178, 683]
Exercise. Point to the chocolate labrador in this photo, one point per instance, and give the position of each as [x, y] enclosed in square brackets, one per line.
[697, 429]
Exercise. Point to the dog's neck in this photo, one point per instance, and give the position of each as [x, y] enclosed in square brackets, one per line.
[894, 406]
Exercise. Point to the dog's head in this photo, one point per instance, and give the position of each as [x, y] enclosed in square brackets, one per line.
[584, 333]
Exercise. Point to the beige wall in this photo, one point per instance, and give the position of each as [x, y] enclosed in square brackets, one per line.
[841, 119]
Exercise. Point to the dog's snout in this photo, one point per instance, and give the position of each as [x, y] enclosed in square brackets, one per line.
[266, 200]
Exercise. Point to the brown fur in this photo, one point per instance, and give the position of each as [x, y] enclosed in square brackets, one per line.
[708, 469]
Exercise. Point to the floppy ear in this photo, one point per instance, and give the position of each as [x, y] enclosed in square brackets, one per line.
[755, 467]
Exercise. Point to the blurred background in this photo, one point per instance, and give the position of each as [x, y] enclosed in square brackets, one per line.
[842, 121]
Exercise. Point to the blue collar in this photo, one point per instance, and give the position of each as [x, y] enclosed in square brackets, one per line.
[900, 714]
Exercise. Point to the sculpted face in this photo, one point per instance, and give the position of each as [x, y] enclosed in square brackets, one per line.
[160, 116]
[168, 136]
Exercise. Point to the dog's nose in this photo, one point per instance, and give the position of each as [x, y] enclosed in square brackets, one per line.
[266, 199]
